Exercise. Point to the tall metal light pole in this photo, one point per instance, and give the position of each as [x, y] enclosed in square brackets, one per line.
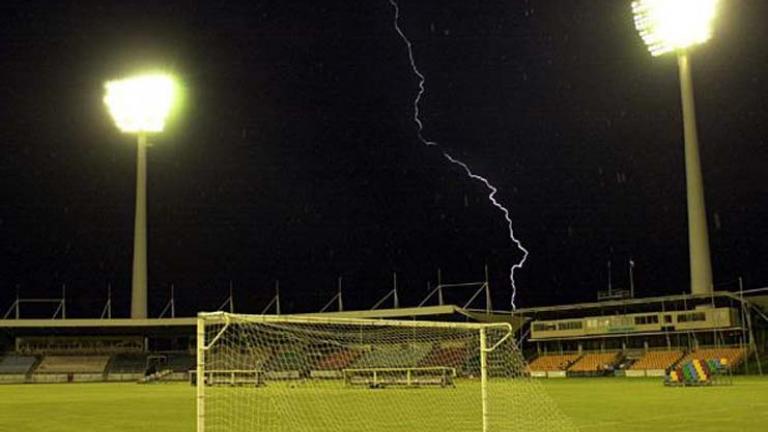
[674, 26]
[139, 274]
[698, 234]
[140, 105]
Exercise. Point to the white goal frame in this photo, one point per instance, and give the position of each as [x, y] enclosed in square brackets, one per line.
[224, 319]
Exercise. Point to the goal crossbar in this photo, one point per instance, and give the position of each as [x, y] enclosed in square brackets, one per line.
[221, 317]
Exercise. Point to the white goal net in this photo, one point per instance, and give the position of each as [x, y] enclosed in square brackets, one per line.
[291, 373]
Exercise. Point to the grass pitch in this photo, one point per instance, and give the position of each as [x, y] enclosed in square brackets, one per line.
[594, 405]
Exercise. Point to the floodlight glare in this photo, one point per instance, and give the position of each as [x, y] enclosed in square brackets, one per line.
[140, 104]
[674, 26]
[671, 25]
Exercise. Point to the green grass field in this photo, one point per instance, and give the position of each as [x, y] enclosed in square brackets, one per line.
[593, 404]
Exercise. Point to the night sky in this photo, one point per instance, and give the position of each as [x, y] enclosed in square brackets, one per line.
[296, 158]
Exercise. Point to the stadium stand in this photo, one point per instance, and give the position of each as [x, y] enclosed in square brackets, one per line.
[127, 367]
[286, 360]
[446, 356]
[472, 363]
[657, 360]
[337, 360]
[76, 345]
[168, 366]
[180, 362]
[394, 354]
[54, 364]
[286, 364]
[14, 368]
[16, 364]
[333, 359]
[70, 368]
[596, 362]
[128, 363]
[553, 362]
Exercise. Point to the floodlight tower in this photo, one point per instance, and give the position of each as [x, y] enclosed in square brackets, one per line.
[674, 26]
[140, 105]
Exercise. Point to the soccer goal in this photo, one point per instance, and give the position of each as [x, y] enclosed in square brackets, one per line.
[311, 373]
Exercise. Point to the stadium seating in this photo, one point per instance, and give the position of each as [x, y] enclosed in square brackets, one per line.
[657, 360]
[128, 364]
[394, 355]
[595, 362]
[79, 345]
[16, 364]
[733, 356]
[180, 362]
[553, 362]
[254, 359]
[337, 360]
[472, 364]
[72, 364]
[286, 360]
[446, 356]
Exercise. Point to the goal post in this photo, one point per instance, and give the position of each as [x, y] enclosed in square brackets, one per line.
[415, 375]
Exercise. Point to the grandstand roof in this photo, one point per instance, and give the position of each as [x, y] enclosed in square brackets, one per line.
[693, 298]
[95, 322]
[759, 300]
[449, 312]
[426, 311]
[756, 297]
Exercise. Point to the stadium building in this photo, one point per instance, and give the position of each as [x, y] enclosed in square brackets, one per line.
[618, 335]
[61, 349]
[647, 336]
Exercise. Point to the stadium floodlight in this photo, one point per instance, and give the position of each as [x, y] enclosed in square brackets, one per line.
[140, 105]
[674, 26]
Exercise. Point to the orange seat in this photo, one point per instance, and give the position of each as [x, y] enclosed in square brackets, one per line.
[554, 362]
[591, 362]
[657, 360]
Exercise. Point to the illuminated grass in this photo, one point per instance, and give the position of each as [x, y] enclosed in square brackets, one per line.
[632, 404]
[594, 405]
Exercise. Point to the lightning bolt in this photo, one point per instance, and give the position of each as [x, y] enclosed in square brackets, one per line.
[492, 190]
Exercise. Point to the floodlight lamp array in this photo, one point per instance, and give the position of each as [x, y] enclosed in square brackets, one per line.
[673, 25]
[140, 104]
